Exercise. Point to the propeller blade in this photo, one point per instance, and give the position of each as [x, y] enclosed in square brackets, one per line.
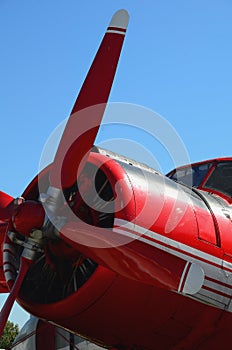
[85, 119]
[6, 206]
[24, 266]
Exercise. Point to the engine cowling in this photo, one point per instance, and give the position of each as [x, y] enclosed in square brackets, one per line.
[135, 197]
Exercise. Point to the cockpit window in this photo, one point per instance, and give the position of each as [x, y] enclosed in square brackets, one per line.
[221, 178]
[191, 176]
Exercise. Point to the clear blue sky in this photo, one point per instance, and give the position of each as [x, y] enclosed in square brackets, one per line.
[177, 61]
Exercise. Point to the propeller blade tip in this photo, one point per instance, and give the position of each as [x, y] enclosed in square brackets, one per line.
[120, 19]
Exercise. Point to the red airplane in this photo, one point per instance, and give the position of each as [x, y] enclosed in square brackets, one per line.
[111, 249]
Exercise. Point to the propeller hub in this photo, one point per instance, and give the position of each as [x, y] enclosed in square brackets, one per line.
[28, 216]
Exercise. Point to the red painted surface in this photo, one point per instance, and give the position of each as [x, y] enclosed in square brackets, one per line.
[6, 206]
[82, 127]
[45, 336]
[132, 301]
[27, 216]
[24, 266]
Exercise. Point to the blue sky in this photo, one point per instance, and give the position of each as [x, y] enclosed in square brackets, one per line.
[176, 61]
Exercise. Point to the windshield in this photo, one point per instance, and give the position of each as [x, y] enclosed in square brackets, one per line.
[192, 175]
[221, 178]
